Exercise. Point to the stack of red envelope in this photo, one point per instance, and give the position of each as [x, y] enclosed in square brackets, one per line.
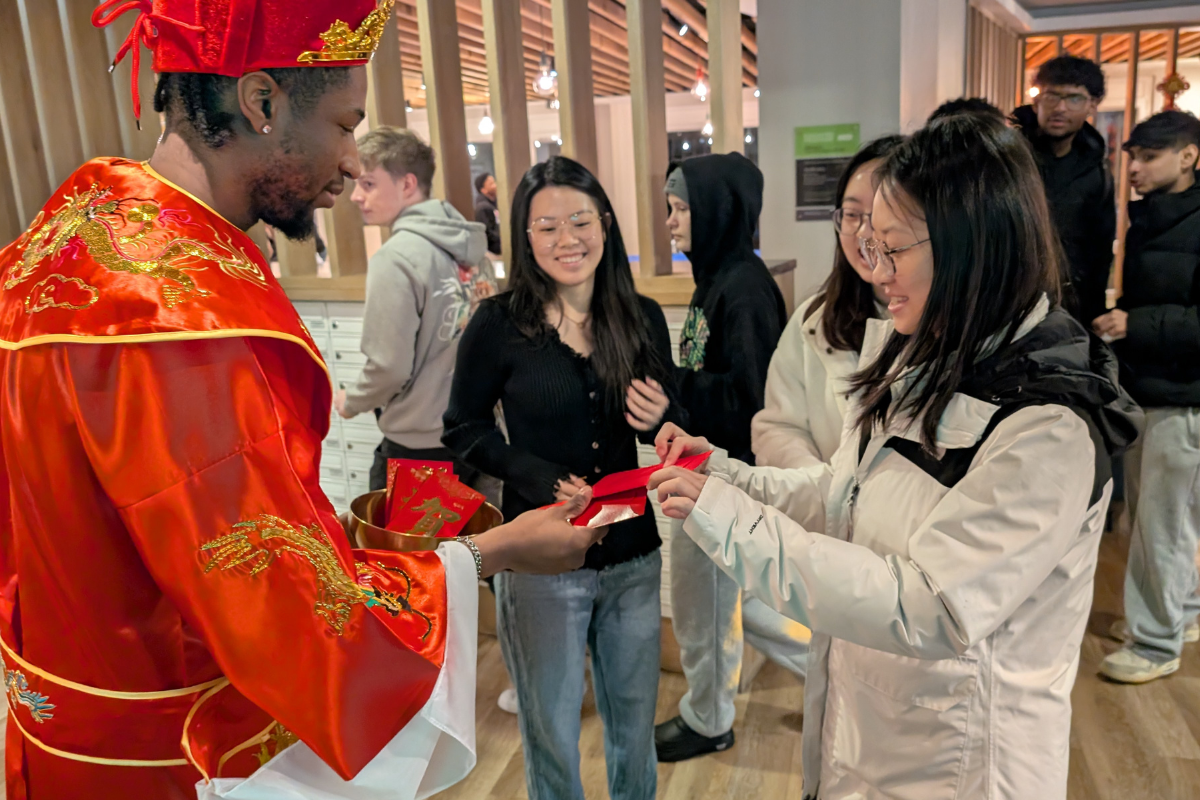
[622, 495]
[424, 498]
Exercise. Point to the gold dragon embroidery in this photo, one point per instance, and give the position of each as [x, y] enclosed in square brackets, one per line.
[104, 228]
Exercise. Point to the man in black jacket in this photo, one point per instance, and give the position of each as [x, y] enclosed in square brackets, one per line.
[486, 210]
[1156, 334]
[734, 322]
[1073, 158]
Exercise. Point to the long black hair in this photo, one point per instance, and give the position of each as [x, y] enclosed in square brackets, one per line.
[995, 254]
[849, 300]
[623, 346]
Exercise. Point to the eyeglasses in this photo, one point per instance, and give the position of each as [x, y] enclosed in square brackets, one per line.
[545, 234]
[1075, 102]
[849, 221]
[879, 255]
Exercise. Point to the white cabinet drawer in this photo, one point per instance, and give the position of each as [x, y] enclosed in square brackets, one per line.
[344, 375]
[346, 325]
[337, 492]
[359, 461]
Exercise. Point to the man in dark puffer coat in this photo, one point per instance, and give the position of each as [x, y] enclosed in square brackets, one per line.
[1156, 334]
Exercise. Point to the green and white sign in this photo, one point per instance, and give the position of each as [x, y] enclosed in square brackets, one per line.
[822, 152]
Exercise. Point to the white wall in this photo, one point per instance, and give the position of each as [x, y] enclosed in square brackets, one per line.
[933, 44]
[820, 62]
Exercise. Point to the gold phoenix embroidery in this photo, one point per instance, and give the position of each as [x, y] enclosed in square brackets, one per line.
[275, 741]
[337, 593]
[344, 44]
[392, 602]
[104, 230]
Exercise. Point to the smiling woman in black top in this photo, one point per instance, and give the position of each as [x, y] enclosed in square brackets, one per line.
[580, 364]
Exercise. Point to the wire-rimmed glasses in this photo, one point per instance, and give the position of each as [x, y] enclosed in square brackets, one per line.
[585, 226]
[879, 255]
[850, 221]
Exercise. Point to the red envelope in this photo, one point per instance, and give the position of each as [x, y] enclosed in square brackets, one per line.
[622, 495]
[437, 506]
[423, 469]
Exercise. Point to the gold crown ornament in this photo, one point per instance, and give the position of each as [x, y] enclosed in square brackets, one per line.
[344, 44]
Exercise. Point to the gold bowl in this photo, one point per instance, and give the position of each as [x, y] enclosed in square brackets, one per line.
[366, 518]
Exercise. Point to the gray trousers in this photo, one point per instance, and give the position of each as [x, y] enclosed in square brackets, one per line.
[712, 620]
[1162, 490]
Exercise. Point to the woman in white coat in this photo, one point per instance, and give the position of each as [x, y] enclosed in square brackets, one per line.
[945, 560]
[806, 394]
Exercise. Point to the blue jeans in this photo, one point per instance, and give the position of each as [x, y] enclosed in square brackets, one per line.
[545, 623]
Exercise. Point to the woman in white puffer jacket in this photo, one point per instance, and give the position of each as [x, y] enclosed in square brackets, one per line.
[945, 560]
[806, 394]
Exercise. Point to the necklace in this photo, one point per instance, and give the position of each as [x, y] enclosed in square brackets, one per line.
[579, 323]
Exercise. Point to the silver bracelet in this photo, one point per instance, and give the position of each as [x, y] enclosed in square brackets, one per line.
[478, 556]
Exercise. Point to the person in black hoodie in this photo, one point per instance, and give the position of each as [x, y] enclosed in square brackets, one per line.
[1072, 157]
[734, 322]
[1156, 334]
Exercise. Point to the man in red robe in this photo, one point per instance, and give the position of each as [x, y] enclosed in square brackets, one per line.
[180, 603]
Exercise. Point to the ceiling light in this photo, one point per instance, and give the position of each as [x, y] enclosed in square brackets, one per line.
[756, 92]
[486, 126]
[710, 140]
[700, 89]
[558, 141]
[1034, 91]
[545, 83]
[407, 106]
[683, 29]
[471, 150]
[552, 104]
[537, 145]
[707, 130]
[749, 138]
[686, 146]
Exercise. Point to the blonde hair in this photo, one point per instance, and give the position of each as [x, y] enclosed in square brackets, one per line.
[400, 152]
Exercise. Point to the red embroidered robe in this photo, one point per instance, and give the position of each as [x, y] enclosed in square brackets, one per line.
[179, 601]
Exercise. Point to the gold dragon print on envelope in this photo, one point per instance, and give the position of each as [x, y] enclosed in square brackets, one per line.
[122, 235]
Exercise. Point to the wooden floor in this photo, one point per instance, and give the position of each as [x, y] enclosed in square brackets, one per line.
[1127, 742]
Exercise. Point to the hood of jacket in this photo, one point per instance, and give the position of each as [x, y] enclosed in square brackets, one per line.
[1088, 142]
[725, 194]
[1158, 212]
[440, 223]
[1059, 362]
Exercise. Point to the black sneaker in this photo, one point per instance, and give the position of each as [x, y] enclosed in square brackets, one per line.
[675, 741]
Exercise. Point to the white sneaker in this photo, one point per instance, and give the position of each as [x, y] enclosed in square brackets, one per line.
[508, 700]
[1126, 666]
[1120, 632]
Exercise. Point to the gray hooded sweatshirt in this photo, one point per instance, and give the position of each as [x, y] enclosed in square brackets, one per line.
[422, 287]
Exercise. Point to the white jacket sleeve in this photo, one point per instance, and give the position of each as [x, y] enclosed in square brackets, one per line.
[799, 493]
[986, 546]
[781, 433]
[433, 752]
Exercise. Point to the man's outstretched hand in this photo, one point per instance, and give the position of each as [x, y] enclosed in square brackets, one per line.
[540, 542]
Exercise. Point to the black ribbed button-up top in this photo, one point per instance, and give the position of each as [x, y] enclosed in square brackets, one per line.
[557, 419]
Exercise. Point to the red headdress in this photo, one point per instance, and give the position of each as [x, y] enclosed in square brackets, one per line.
[233, 37]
